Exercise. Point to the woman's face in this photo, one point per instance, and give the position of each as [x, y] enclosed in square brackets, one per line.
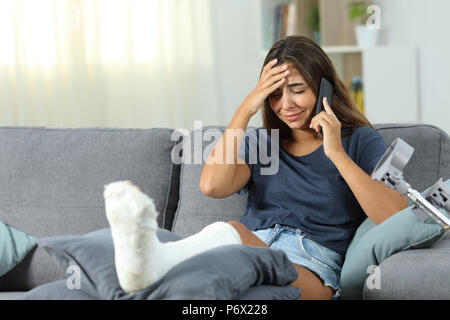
[294, 101]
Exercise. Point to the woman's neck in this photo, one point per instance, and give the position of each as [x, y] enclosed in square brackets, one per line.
[303, 136]
[301, 143]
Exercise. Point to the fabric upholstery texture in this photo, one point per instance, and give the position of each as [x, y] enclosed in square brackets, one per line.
[195, 210]
[53, 180]
[420, 274]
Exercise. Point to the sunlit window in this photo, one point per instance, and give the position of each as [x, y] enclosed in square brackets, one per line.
[36, 32]
[6, 33]
[145, 29]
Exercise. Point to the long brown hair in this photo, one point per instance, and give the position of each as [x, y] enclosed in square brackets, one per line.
[313, 64]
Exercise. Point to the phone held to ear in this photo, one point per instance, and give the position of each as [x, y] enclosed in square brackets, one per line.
[326, 91]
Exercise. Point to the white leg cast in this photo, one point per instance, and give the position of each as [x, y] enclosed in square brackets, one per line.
[140, 258]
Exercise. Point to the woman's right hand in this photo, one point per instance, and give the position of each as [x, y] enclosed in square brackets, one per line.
[271, 79]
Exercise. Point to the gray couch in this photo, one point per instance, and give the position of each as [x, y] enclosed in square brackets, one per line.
[52, 183]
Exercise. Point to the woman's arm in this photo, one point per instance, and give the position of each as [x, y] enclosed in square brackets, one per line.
[218, 175]
[378, 201]
[222, 174]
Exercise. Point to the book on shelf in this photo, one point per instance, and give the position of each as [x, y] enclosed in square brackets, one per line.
[355, 85]
[285, 21]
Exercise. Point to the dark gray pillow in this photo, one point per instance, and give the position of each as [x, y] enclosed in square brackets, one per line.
[227, 272]
[56, 290]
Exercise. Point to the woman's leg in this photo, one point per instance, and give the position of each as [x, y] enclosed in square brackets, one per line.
[141, 258]
[311, 285]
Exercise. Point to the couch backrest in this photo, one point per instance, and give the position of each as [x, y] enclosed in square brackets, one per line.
[52, 180]
[431, 160]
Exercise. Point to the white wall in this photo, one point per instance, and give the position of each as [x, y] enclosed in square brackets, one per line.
[424, 24]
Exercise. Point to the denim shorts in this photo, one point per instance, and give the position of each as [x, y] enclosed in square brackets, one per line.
[324, 262]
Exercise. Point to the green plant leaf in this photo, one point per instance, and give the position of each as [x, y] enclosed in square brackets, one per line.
[358, 10]
[314, 18]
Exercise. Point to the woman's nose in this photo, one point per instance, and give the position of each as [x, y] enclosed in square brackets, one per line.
[287, 101]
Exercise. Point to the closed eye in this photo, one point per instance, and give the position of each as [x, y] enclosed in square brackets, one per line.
[279, 94]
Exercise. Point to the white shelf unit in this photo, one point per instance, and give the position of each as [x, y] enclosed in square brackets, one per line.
[390, 73]
[390, 80]
[391, 84]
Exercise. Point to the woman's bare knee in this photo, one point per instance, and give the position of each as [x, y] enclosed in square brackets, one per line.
[247, 237]
[237, 224]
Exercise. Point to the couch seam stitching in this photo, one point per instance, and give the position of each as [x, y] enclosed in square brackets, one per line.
[388, 127]
[441, 144]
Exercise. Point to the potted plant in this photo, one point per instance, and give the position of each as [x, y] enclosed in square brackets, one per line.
[365, 36]
[314, 22]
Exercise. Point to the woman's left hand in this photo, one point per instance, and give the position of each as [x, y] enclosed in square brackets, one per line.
[331, 128]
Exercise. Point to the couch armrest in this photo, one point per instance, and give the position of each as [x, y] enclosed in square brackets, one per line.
[414, 274]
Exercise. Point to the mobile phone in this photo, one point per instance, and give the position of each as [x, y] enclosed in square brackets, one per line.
[326, 91]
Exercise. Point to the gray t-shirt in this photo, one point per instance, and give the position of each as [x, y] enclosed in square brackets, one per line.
[307, 192]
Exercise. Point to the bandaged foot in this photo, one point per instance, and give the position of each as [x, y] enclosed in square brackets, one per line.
[140, 258]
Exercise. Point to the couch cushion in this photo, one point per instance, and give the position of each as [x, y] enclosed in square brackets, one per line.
[414, 274]
[372, 244]
[53, 179]
[431, 158]
[195, 210]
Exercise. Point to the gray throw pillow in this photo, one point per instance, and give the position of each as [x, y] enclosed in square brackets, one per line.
[56, 290]
[227, 272]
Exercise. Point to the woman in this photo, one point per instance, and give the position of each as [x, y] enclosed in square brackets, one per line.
[310, 208]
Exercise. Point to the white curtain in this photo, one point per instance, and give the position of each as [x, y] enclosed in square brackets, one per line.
[106, 63]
